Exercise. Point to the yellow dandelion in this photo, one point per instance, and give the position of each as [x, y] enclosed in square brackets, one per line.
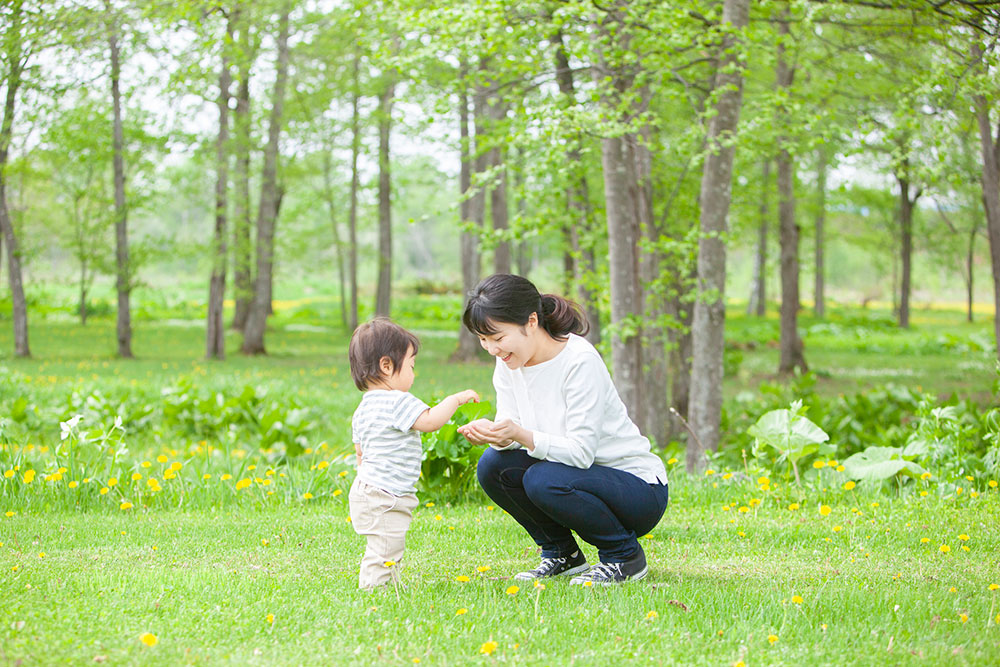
[817, 465]
[992, 484]
[8, 473]
[112, 481]
[136, 477]
[970, 478]
[206, 476]
[958, 491]
[342, 473]
[438, 517]
[652, 615]
[588, 584]
[763, 481]
[489, 508]
[74, 484]
[841, 468]
[512, 590]
[952, 590]
[429, 504]
[837, 529]
[539, 585]
[709, 472]
[243, 484]
[671, 461]
[307, 496]
[9, 513]
[161, 459]
[462, 612]
[270, 619]
[744, 509]
[389, 563]
[461, 578]
[796, 599]
[925, 540]
[793, 506]
[849, 485]
[226, 477]
[963, 537]
[264, 542]
[125, 506]
[944, 548]
[336, 492]
[994, 587]
[964, 618]
[965, 548]
[482, 568]
[824, 510]
[772, 638]
[925, 476]
[41, 554]
[148, 638]
[488, 647]
[146, 464]
[29, 476]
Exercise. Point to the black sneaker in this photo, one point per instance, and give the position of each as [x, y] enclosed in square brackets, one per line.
[609, 574]
[575, 563]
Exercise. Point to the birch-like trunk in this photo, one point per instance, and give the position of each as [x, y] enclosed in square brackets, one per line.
[123, 269]
[242, 244]
[989, 144]
[383, 290]
[757, 305]
[819, 284]
[709, 318]
[215, 330]
[352, 215]
[468, 342]
[253, 332]
[15, 63]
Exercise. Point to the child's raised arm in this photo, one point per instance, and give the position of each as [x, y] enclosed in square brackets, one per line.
[434, 418]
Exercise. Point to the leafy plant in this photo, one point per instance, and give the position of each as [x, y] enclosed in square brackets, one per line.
[876, 464]
[791, 435]
[449, 467]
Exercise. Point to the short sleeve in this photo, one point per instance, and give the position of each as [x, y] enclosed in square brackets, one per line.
[405, 411]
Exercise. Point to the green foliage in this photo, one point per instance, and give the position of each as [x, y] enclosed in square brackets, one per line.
[880, 463]
[791, 435]
[448, 471]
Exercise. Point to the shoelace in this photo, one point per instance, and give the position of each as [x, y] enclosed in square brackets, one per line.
[548, 564]
[605, 571]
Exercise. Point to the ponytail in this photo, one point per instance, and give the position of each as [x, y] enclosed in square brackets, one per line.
[561, 317]
[507, 298]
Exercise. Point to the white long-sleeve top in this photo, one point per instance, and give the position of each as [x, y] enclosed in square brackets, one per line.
[574, 412]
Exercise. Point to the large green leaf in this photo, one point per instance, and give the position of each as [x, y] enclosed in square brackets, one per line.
[789, 432]
[879, 463]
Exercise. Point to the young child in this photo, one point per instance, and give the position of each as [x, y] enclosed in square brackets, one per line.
[385, 426]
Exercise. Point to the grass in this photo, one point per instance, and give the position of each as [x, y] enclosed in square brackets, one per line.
[721, 582]
[201, 564]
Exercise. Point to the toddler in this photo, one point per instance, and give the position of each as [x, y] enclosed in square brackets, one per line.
[385, 432]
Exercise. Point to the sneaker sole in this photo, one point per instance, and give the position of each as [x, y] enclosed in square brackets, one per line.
[579, 581]
[529, 576]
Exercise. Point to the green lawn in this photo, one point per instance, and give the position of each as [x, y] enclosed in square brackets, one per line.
[722, 583]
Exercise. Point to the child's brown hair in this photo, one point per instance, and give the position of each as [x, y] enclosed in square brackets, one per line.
[371, 342]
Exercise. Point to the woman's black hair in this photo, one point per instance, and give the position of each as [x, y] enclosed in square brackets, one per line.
[506, 298]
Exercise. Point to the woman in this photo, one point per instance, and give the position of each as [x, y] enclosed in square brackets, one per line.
[564, 456]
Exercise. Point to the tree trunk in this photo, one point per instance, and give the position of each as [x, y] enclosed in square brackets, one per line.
[468, 342]
[15, 66]
[623, 267]
[757, 304]
[338, 245]
[990, 152]
[499, 214]
[970, 258]
[383, 294]
[253, 332]
[819, 295]
[352, 216]
[906, 206]
[242, 245]
[123, 274]
[215, 330]
[708, 320]
[791, 355]
[580, 265]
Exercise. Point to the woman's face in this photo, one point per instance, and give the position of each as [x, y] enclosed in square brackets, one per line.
[513, 344]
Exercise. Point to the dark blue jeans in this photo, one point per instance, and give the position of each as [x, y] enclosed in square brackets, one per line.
[607, 508]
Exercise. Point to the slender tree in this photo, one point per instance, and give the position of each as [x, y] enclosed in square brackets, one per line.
[383, 290]
[215, 330]
[17, 59]
[253, 332]
[708, 323]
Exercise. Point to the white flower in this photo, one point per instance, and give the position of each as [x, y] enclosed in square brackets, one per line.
[68, 427]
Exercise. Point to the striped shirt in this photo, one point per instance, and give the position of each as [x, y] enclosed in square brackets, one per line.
[390, 449]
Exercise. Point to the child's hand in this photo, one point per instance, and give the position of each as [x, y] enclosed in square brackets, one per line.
[477, 432]
[467, 396]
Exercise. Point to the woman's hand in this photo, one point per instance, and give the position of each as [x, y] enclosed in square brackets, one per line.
[477, 432]
[506, 431]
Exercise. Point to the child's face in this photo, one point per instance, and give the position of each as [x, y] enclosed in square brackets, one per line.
[402, 378]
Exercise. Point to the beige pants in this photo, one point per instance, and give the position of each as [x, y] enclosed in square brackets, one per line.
[383, 519]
